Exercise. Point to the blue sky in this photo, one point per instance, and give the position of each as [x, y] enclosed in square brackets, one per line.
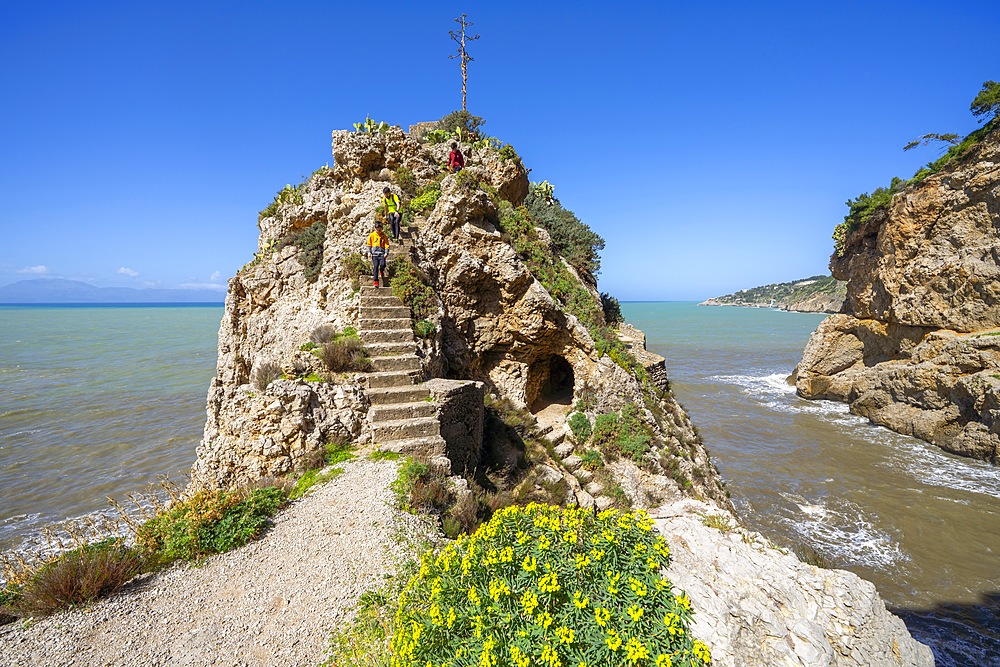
[712, 144]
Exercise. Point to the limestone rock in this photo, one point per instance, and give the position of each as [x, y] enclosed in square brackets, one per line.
[914, 348]
[756, 607]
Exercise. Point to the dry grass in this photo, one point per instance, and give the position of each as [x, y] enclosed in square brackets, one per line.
[345, 354]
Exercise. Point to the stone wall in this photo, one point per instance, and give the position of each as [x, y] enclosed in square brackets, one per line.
[460, 409]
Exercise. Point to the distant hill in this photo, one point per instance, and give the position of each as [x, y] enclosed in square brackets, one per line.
[56, 290]
[819, 294]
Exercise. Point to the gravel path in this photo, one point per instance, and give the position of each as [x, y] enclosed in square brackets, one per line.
[272, 602]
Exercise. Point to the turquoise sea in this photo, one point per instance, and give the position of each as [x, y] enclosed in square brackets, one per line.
[99, 401]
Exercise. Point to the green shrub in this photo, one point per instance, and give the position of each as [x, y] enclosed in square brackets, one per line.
[426, 197]
[463, 121]
[424, 329]
[77, 577]
[404, 178]
[580, 426]
[344, 354]
[612, 309]
[309, 241]
[209, 522]
[573, 239]
[508, 153]
[592, 460]
[540, 585]
[411, 286]
[622, 434]
[286, 195]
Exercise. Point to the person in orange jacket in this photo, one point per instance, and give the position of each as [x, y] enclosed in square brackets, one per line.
[378, 249]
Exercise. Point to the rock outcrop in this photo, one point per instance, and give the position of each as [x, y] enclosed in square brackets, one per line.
[495, 322]
[758, 606]
[496, 329]
[914, 348]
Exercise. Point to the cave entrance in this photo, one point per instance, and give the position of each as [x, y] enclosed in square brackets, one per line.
[550, 386]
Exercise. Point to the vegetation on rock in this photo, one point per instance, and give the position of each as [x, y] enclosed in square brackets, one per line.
[343, 352]
[541, 585]
[309, 241]
[410, 285]
[622, 434]
[573, 240]
[786, 295]
[862, 209]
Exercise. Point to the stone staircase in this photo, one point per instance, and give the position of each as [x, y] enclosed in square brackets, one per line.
[403, 416]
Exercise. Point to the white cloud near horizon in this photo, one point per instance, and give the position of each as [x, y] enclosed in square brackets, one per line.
[209, 286]
[131, 273]
[39, 270]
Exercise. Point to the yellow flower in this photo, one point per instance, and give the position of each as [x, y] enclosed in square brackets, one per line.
[498, 588]
[544, 619]
[579, 600]
[660, 545]
[664, 661]
[635, 612]
[609, 536]
[582, 561]
[450, 619]
[529, 601]
[522, 537]
[636, 650]
[601, 616]
[701, 651]
[550, 657]
[507, 554]
[519, 657]
[637, 587]
[544, 542]
[570, 536]
[565, 635]
[613, 640]
[435, 614]
[652, 563]
[684, 601]
[488, 658]
[474, 597]
[613, 578]
[598, 554]
[549, 583]
[530, 564]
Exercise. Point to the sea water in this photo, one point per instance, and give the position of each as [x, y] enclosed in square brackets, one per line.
[97, 401]
[919, 523]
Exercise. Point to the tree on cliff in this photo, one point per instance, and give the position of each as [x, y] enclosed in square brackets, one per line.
[986, 106]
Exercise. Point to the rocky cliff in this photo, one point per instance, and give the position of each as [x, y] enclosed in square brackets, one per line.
[916, 347]
[495, 321]
[818, 294]
[507, 315]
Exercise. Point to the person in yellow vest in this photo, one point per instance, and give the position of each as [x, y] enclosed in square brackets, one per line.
[378, 248]
[390, 204]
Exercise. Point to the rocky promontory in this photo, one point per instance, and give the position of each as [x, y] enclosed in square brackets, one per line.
[917, 346]
[818, 294]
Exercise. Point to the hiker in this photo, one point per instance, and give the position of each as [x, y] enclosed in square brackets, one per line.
[390, 202]
[378, 248]
[456, 161]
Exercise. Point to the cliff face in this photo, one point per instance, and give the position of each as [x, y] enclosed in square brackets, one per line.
[495, 322]
[913, 348]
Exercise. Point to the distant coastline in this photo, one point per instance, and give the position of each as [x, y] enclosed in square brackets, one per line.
[818, 294]
[58, 291]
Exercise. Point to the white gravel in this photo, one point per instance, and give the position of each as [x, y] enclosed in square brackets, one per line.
[273, 602]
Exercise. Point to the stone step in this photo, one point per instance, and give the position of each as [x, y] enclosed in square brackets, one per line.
[426, 448]
[409, 362]
[396, 411]
[368, 290]
[385, 323]
[392, 349]
[372, 336]
[394, 312]
[380, 301]
[403, 429]
[391, 379]
[401, 394]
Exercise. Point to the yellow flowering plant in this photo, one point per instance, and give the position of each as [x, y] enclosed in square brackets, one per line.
[544, 585]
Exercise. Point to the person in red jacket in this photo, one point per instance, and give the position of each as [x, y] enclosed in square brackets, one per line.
[456, 161]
